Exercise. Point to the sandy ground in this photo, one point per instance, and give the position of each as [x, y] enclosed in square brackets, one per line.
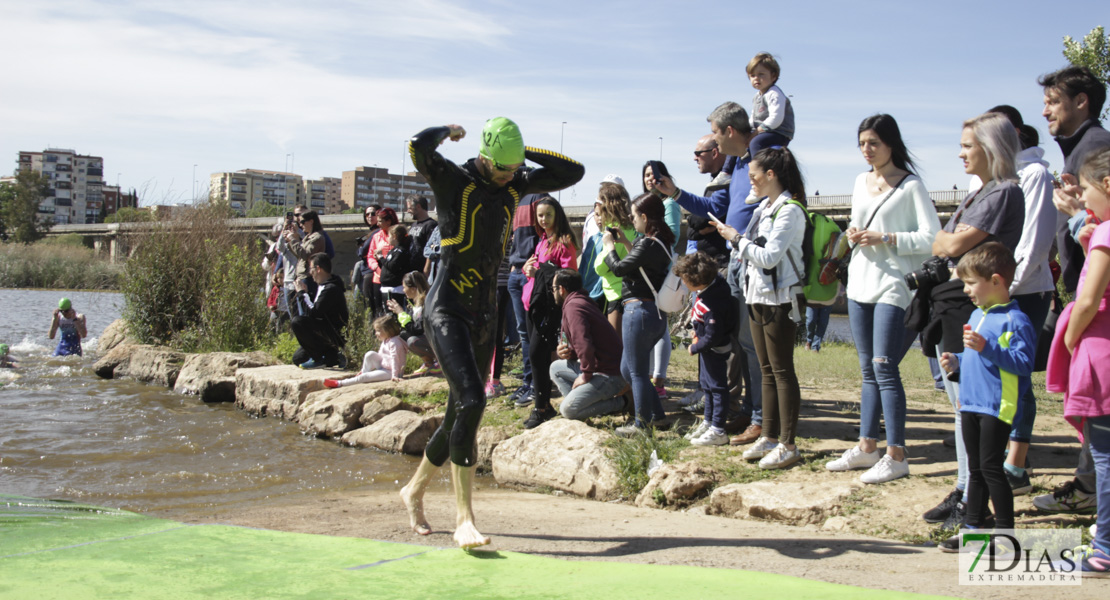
[884, 545]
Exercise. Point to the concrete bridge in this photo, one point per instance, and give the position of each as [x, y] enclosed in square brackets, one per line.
[110, 238]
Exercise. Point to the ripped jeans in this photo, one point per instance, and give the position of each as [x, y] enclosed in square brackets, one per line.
[880, 336]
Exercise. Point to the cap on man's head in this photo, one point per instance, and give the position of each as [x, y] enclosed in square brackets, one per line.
[3, 349]
[64, 304]
[502, 143]
[611, 178]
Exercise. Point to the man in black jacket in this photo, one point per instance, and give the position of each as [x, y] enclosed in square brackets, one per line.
[320, 330]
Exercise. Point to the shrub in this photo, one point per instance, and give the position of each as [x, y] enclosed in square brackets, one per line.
[631, 455]
[56, 266]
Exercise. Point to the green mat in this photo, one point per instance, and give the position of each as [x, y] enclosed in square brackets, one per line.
[52, 549]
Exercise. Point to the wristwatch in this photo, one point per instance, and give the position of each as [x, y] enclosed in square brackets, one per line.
[886, 238]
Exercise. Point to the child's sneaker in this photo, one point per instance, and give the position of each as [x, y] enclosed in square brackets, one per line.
[331, 383]
[854, 458]
[759, 449]
[432, 370]
[661, 391]
[698, 430]
[1094, 563]
[1067, 498]
[710, 437]
[494, 389]
[1020, 485]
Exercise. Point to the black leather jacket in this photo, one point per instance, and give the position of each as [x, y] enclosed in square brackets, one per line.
[648, 253]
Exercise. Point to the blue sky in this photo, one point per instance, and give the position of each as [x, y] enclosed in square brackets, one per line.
[156, 87]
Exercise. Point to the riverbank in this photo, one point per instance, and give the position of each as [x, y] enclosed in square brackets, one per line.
[56, 265]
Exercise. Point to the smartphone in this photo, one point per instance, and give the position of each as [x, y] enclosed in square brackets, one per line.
[1091, 218]
[616, 233]
[714, 218]
[656, 169]
[289, 217]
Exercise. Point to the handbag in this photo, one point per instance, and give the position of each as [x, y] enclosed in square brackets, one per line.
[671, 295]
[836, 265]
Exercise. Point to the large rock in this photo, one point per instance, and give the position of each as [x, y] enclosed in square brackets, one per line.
[331, 413]
[149, 364]
[278, 391]
[679, 484]
[382, 405]
[114, 335]
[562, 454]
[212, 376]
[797, 503]
[401, 431]
[488, 440]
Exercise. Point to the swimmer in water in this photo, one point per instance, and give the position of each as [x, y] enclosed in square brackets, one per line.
[6, 360]
[72, 325]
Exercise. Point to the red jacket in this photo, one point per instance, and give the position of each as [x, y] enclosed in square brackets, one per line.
[592, 339]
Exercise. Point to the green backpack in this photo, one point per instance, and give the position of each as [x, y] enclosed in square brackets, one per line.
[822, 234]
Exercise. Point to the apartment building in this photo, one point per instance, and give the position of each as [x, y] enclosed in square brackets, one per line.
[115, 199]
[243, 189]
[76, 192]
[324, 195]
[371, 185]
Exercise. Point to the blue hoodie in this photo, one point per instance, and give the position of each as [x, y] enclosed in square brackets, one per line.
[993, 380]
[725, 203]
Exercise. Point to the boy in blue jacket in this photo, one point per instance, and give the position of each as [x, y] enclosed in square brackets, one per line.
[995, 367]
[713, 320]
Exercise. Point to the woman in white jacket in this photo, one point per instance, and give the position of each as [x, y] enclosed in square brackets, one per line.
[1033, 285]
[773, 256]
[892, 229]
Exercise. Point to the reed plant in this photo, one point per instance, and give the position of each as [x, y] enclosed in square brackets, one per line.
[56, 265]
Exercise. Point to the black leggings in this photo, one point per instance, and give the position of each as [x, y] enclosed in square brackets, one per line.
[985, 438]
[504, 307]
[464, 348]
[539, 355]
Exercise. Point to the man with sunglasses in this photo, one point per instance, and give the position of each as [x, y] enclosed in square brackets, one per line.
[475, 204]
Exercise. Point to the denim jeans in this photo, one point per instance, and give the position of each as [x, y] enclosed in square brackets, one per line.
[817, 321]
[596, 397]
[661, 354]
[517, 279]
[953, 390]
[744, 364]
[880, 335]
[641, 326]
[1097, 432]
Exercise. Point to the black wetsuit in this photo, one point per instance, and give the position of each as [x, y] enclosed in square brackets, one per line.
[460, 312]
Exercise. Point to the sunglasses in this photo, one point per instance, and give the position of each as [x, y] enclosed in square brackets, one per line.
[700, 152]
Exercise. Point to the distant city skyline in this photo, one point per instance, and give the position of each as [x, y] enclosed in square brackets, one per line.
[321, 88]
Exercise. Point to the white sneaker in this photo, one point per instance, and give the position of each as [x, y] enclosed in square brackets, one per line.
[759, 449]
[697, 432]
[780, 457]
[711, 437]
[692, 398]
[886, 470]
[854, 458]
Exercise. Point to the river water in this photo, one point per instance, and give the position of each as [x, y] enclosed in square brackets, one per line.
[68, 434]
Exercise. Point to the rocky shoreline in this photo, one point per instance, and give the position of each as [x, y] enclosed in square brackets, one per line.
[573, 458]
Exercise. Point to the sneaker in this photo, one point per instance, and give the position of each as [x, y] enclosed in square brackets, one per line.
[426, 369]
[887, 469]
[697, 431]
[518, 392]
[661, 392]
[525, 399]
[956, 517]
[854, 458]
[494, 389]
[759, 449]
[312, 364]
[538, 417]
[693, 398]
[710, 438]
[628, 430]
[341, 361]
[940, 512]
[331, 383]
[780, 458]
[1094, 562]
[751, 434]
[697, 408]
[1020, 485]
[1066, 498]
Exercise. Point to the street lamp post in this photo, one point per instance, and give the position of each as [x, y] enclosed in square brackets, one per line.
[404, 149]
[562, 128]
[194, 182]
[660, 147]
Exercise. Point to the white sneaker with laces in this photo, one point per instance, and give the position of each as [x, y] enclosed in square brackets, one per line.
[759, 449]
[854, 458]
[697, 432]
[780, 457]
[711, 437]
[887, 469]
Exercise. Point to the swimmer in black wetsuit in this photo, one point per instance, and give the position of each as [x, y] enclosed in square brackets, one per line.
[475, 204]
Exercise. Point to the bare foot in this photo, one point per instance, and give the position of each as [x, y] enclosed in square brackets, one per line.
[415, 506]
[467, 536]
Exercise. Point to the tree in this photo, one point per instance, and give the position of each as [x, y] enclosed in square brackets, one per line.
[19, 208]
[264, 209]
[128, 214]
[1093, 52]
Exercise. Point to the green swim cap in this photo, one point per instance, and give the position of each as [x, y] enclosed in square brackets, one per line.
[64, 304]
[502, 142]
[3, 349]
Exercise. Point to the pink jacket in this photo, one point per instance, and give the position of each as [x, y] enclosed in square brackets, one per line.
[561, 256]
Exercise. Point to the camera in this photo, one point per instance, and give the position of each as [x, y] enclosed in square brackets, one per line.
[613, 231]
[932, 272]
